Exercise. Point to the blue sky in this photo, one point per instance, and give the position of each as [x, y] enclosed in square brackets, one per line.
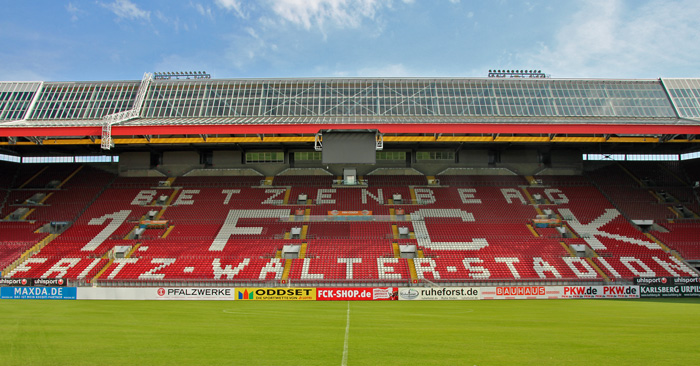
[74, 40]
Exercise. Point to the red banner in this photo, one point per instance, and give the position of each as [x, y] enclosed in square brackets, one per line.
[357, 293]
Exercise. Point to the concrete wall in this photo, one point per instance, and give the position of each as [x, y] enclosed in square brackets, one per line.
[177, 163]
[180, 158]
[227, 159]
[134, 161]
[474, 162]
[566, 158]
[474, 158]
[519, 157]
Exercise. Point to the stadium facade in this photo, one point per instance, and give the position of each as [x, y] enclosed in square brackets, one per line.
[381, 181]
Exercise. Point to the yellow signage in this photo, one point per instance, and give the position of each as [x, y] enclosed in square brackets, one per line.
[275, 294]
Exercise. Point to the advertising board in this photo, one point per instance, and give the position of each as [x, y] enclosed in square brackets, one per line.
[257, 293]
[156, 293]
[666, 281]
[669, 291]
[47, 282]
[600, 292]
[439, 293]
[559, 292]
[14, 282]
[650, 287]
[520, 292]
[38, 293]
[359, 293]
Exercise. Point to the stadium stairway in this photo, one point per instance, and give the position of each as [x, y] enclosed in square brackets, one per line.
[287, 269]
[597, 269]
[28, 253]
[76, 171]
[657, 241]
[33, 177]
[412, 270]
[624, 169]
[102, 271]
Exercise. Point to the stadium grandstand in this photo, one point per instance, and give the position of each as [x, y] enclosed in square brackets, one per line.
[349, 181]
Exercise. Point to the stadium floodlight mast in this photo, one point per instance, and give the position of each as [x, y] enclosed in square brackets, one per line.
[177, 75]
[517, 74]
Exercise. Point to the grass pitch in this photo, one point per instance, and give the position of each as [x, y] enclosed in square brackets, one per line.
[523, 332]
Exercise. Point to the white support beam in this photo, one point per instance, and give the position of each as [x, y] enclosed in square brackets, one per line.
[134, 112]
[318, 141]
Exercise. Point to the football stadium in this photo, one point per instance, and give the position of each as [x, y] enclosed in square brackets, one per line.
[299, 204]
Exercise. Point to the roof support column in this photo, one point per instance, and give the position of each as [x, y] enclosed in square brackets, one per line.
[134, 112]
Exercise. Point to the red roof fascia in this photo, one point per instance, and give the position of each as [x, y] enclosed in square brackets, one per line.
[461, 128]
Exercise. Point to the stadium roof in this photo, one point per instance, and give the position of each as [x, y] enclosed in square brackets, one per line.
[294, 110]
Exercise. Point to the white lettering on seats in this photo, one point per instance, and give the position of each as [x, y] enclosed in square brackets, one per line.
[275, 193]
[560, 199]
[510, 193]
[607, 266]
[387, 272]
[426, 265]
[26, 265]
[229, 228]
[61, 267]
[185, 198]
[348, 265]
[276, 266]
[305, 275]
[572, 262]
[379, 198]
[89, 268]
[229, 271]
[541, 266]
[675, 266]
[143, 198]
[481, 272]
[152, 275]
[423, 237]
[467, 195]
[120, 263]
[118, 219]
[229, 193]
[629, 262]
[424, 196]
[593, 228]
[323, 196]
[509, 261]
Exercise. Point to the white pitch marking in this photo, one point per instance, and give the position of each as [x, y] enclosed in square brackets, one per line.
[345, 344]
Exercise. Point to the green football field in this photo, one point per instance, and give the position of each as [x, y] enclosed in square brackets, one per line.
[535, 332]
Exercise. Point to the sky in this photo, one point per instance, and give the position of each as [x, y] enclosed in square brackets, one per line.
[55, 40]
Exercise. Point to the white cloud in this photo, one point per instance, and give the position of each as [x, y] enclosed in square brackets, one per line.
[125, 9]
[454, 1]
[203, 10]
[234, 5]
[607, 38]
[321, 13]
[73, 11]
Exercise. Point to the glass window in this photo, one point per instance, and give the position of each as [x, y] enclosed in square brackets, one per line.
[11, 158]
[435, 155]
[307, 155]
[391, 155]
[264, 157]
[93, 159]
[689, 156]
[617, 157]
